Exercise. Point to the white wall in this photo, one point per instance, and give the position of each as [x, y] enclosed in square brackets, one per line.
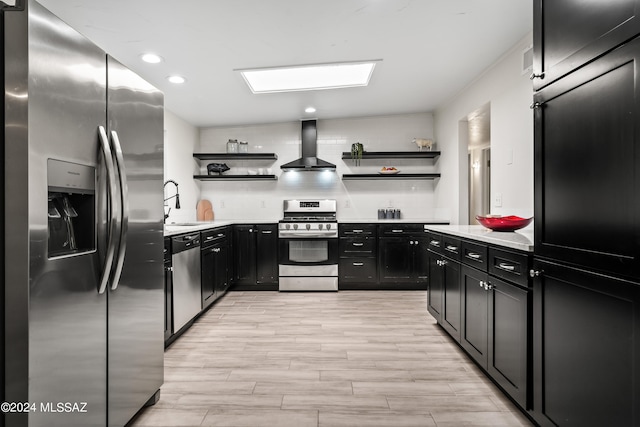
[181, 139]
[510, 93]
[246, 200]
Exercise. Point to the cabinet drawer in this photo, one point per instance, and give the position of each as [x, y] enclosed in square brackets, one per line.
[210, 237]
[474, 254]
[451, 247]
[512, 266]
[400, 229]
[357, 246]
[435, 242]
[357, 229]
[357, 269]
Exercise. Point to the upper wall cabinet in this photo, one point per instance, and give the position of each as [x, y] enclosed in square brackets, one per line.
[587, 176]
[570, 34]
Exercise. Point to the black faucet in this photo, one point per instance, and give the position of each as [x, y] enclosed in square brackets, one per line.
[177, 197]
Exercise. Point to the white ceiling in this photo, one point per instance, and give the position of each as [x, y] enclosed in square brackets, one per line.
[430, 50]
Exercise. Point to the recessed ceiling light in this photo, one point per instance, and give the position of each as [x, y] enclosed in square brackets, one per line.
[176, 79]
[151, 58]
[309, 77]
[309, 110]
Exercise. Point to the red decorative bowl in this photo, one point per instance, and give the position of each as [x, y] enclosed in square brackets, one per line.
[504, 223]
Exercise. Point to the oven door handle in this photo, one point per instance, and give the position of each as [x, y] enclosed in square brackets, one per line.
[318, 234]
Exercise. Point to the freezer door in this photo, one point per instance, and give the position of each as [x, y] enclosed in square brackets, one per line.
[55, 317]
[136, 293]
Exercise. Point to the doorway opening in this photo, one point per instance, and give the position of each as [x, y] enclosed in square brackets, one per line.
[479, 162]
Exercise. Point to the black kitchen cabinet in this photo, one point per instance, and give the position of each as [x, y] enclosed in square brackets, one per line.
[214, 264]
[586, 347]
[255, 257]
[569, 34]
[444, 282]
[451, 296]
[401, 256]
[587, 165]
[474, 331]
[244, 262]
[357, 266]
[267, 254]
[436, 286]
[489, 316]
[509, 339]
[496, 318]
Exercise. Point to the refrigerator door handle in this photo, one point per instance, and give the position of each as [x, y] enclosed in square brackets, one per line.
[124, 213]
[113, 219]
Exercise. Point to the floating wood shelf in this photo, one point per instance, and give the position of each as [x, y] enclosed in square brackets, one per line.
[394, 155]
[398, 176]
[236, 177]
[238, 156]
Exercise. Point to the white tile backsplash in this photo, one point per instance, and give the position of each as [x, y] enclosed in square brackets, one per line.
[240, 200]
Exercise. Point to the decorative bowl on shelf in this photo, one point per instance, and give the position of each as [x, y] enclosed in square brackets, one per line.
[389, 170]
[503, 223]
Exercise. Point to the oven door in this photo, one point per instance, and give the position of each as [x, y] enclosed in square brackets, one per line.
[308, 252]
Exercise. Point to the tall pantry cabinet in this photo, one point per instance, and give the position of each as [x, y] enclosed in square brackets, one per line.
[587, 208]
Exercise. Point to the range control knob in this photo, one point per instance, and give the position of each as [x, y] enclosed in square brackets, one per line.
[295, 226]
[319, 226]
[308, 226]
[288, 226]
[328, 226]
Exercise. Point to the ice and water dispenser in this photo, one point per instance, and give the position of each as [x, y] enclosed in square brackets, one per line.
[71, 208]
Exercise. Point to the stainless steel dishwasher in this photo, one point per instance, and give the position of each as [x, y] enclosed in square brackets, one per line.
[187, 294]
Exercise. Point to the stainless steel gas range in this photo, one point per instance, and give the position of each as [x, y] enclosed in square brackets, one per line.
[308, 246]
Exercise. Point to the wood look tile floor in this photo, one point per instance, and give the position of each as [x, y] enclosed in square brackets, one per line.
[361, 358]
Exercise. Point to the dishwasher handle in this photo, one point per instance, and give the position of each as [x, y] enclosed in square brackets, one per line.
[185, 242]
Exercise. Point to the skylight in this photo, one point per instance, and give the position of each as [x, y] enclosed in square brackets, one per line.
[309, 77]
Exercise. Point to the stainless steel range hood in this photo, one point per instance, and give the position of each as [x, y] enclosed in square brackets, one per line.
[309, 160]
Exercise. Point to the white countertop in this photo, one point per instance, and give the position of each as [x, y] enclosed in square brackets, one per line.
[393, 221]
[521, 239]
[180, 228]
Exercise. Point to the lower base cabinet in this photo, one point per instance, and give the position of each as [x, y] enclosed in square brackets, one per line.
[474, 331]
[586, 348]
[509, 339]
[255, 252]
[357, 270]
[487, 315]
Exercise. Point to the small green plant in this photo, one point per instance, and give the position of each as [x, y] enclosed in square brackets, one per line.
[356, 153]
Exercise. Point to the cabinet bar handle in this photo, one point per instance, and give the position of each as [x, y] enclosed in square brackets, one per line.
[535, 273]
[473, 255]
[435, 243]
[209, 238]
[358, 264]
[451, 248]
[221, 235]
[357, 231]
[397, 231]
[506, 266]
[216, 250]
[358, 244]
[266, 231]
[536, 76]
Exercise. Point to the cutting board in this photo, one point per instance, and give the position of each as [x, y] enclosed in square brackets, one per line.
[204, 211]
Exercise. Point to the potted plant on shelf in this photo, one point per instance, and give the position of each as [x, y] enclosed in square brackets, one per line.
[356, 153]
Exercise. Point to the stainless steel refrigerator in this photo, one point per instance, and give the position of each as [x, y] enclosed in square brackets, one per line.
[82, 226]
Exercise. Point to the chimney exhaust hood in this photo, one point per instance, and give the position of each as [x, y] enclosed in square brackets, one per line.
[309, 160]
